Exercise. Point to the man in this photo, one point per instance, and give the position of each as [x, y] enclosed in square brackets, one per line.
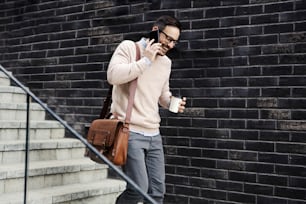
[145, 161]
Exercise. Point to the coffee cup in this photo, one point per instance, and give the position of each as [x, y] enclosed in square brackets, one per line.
[174, 104]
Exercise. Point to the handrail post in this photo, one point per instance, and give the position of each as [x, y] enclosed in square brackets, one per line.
[26, 160]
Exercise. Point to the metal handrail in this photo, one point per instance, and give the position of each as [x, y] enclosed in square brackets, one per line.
[74, 133]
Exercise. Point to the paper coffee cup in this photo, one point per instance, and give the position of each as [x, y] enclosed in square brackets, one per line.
[174, 104]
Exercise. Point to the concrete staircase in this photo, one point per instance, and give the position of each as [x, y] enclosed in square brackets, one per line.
[58, 171]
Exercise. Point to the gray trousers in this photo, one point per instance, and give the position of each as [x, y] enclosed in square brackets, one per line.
[146, 167]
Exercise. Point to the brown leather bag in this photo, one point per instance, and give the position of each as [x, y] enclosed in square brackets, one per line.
[110, 136]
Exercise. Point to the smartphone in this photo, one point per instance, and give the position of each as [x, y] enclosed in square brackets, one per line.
[154, 35]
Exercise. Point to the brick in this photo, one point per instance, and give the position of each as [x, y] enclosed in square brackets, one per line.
[204, 103]
[229, 185]
[197, 24]
[215, 113]
[275, 114]
[300, 26]
[218, 154]
[182, 141]
[233, 82]
[61, 52]
[204, 143]
[244, 134]
[179, 199]
[291, 148]
[273, 179]
[219, 12]
[232, 103]
[279, 7]
[245, 114]
[291, 102]
[262, 146]
[241, 197]
[234, 61]
[268, 18]
[203, 162]
[297, 182]
[214, 173]
[230, 165]
[219, 72]
[264, 60]
[290, 170]
[258, 189]
[243, 92]
[73, 59]
[201, 4]
[292, 37]
[263, 39]
[168, 4]
[272, 49]
[298, 115]
[189, 191]
[298, 137]
[211, 123]
[216, 133]
[259, 168]
[292, 125]
[247, 71]
[203, 182]
[249, 30]
[246, 50]
[242, 155]
[242, 176]
[249, 10]
[113, 11]
[227, 144]
[189, 171]
[268, 200]
[283, 28]
[293, 59]
[214, 194]
[74, 43]
[290, 193]
[218, 33]
[276, 92]
[234, 21]
[274, 136]
[279, 70]
[292, 16]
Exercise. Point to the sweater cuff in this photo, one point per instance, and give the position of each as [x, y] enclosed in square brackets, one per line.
[147, 61]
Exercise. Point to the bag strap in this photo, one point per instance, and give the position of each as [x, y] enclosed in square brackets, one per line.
[106, 103]
[132, 91]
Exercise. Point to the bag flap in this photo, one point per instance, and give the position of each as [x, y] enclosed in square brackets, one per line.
[102, 132]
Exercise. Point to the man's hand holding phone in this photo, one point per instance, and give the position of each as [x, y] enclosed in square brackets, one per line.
[153, 46]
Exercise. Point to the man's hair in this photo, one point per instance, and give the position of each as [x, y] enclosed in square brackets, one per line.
[164, 21]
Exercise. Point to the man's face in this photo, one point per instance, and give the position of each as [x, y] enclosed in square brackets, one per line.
[168, 38]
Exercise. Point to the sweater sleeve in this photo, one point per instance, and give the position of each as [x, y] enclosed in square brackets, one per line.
[123, 66]
[164, 99]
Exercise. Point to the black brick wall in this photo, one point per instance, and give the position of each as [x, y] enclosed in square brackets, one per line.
[241, 65]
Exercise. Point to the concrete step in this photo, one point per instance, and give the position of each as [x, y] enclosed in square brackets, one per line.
[44, 174]
[4, 80]
[58, 172]
[41, 130]
[11, 111]
[41, 150]
[104, 191]
[12, 94]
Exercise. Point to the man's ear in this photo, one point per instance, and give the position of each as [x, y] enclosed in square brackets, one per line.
[154, 28]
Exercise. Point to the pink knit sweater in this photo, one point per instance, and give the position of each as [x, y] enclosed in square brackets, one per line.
[152, 87]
